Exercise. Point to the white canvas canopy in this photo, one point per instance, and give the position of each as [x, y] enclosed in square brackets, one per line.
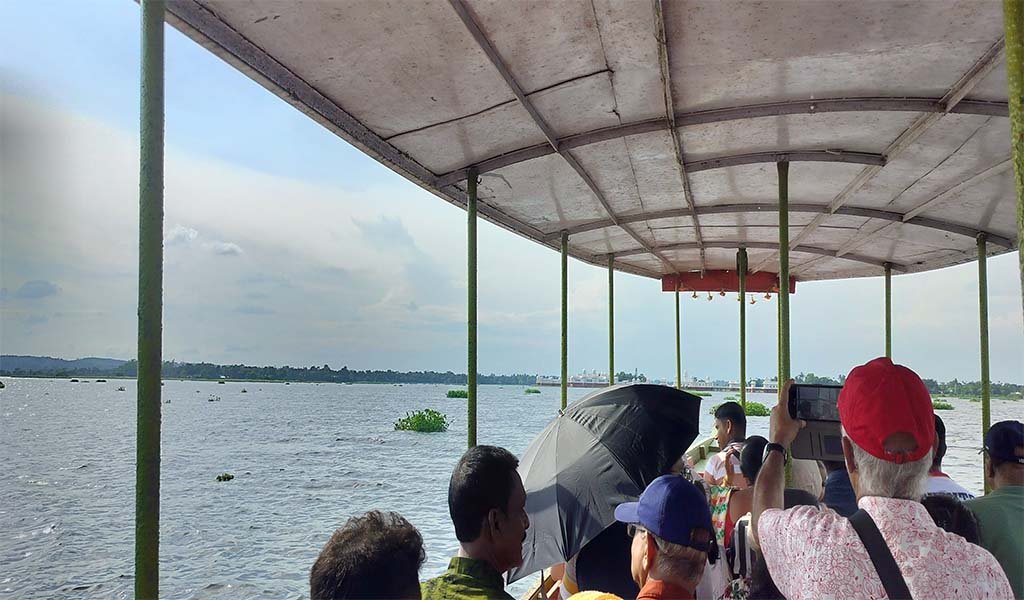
[648, 130]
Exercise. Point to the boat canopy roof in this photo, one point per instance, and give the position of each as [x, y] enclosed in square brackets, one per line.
[648, 131]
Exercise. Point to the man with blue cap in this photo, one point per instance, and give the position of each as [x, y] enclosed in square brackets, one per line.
[1001, 512]
[672, 534]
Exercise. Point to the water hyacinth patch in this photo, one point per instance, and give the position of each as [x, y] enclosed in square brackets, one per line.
[753, 409]
[457, 394]
[939, 405]
[531, 391]
[425, 421]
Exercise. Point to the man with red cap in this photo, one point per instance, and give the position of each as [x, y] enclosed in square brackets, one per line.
[890, 548]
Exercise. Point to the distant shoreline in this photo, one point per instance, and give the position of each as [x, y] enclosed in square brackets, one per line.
[92, 377]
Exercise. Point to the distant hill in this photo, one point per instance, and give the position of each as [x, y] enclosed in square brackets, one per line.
[13, 363]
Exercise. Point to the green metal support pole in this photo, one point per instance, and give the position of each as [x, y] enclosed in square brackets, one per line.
[151, 257]
[783, 272]
[471, 308]
[986, 414]
[679, 358]
[778, 341]
[565, 319]
[611, 320]
[741, 271]
[1013, 22]
[888, 310]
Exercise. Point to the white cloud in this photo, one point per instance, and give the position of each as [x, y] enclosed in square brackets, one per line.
[179, 234]
[377, 279]
[225, 248]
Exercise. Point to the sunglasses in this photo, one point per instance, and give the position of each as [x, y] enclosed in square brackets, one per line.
[633, 529]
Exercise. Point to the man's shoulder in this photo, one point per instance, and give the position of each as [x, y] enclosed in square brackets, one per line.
[459, 586]
[799, 525]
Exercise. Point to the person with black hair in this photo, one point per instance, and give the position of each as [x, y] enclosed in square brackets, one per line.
[939, 482]
[730, 431]
[374, 556]
[953, 516]
[1001, 511]
[487, 504]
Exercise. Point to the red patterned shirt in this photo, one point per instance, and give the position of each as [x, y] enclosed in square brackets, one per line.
[817, 554]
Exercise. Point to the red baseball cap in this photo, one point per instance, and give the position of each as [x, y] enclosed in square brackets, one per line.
[880, 399]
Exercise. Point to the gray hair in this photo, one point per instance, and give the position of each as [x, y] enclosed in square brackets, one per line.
[680, 563]
[877, 477]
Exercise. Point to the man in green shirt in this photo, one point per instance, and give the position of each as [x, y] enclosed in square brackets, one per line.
[487, 504]
[1001, 512]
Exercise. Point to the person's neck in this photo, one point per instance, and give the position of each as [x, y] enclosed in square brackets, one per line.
[657, 575]
[478, 550]
[1002, 481]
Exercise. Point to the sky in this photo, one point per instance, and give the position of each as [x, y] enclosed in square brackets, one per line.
[286, 246]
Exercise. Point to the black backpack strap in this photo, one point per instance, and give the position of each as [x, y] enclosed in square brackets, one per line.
[881, 557]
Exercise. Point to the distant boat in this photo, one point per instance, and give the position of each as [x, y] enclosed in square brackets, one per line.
[74, 381]
[120, 388]
[101, 381]
[221, 382]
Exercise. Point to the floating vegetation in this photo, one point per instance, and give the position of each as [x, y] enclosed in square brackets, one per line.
[425, 421]
[457, 394]
[732, 398]
[213, 398]
[225, 477]
[120, 388]
[754, 409]
[245, 391]
[74, 381]
[101, 381]
[2, 386]
[222, 382]
[702, 394]
[939, 405]
[531, 391]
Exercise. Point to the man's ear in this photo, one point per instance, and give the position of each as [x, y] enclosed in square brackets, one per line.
[851, 465]
[650, 551]
[494, 521]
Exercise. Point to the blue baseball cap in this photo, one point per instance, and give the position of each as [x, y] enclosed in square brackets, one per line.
[671, 508]
[1001, 442]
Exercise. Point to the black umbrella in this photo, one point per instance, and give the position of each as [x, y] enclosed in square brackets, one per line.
[602, 451]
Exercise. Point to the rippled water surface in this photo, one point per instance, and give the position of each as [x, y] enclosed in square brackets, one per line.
[305, 458]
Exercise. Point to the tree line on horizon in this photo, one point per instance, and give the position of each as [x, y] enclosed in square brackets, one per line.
[324, 374]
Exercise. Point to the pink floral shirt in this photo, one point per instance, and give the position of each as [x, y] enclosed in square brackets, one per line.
[817, 554]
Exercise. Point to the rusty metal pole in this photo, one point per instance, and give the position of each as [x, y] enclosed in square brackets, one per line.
[471, 308]
[1013, 23]
[741, 272]
[150, 332]
[611, 320]
[565, 318]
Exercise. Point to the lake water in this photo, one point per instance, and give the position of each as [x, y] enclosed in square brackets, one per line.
[305, 458]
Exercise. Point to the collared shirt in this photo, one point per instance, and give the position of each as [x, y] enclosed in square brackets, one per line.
[656, 589]
[466, 579]
[839, 495]
[1001, 517]
[940, 483]
[817, 554]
